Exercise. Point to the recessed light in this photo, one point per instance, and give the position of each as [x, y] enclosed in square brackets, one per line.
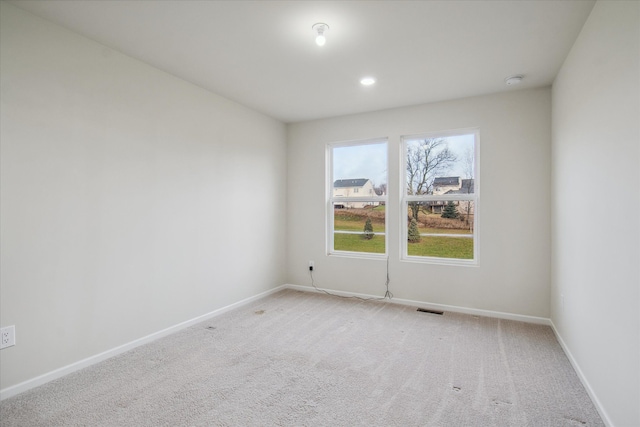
[514, 80]
[367, 81]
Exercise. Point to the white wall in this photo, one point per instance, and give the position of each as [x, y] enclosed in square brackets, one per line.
[596, 202]
[131, 200]
[514, 262]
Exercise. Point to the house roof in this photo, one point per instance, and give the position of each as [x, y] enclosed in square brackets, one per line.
[341, 183]
[466, 188]
[446, 180]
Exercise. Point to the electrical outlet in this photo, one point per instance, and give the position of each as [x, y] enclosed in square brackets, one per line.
[8, 336]
[311, 265]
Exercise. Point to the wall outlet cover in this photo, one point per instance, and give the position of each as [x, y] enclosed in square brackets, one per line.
[7, 337]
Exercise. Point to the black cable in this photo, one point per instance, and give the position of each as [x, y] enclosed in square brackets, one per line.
[387, 294]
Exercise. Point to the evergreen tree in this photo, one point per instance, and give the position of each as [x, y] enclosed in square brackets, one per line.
[450, 210]
[368, 229]
[414, 233]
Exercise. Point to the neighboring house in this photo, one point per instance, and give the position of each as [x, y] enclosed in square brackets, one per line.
[451, 185]
[441, 185]
[360, 187]
[466, 187]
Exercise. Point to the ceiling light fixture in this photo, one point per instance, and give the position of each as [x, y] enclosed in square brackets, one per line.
[367, 81]
[514, 80]
[320, 29]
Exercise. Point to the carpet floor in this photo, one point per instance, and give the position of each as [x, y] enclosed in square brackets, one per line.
[304, 359]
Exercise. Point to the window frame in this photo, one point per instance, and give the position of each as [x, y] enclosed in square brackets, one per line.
[405, 199]
[330, 200]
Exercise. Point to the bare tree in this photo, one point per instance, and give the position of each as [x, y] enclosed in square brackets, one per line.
[381, 189]
[425, 161]
[468, 163]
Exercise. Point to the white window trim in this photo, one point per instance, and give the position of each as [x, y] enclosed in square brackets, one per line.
[329, 214]
[405, 198]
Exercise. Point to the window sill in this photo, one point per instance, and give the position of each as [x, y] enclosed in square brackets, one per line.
[441, 261]
[361, 255]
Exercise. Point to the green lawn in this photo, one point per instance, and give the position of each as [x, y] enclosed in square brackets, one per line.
[429, 246]
[442, 247]
[356, 224]
[443, 230]
[357, 243]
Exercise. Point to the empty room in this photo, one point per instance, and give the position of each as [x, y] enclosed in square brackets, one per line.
[320, 213]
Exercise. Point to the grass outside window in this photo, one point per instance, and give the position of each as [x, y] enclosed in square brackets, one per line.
[348, 225]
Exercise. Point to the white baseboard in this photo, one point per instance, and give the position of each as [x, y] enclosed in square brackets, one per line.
[92, 360]
[440, 307]
[583, 379]
[58, 373]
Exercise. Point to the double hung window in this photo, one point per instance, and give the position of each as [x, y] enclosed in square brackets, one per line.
[357, 199]
[440, 197]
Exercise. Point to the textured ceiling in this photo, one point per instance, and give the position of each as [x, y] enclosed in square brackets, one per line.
[262, 53]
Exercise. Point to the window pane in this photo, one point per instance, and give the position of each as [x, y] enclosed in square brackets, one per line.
[443, 165]
[358, 193]
[360, 162]
[441, 229]
[351, 232]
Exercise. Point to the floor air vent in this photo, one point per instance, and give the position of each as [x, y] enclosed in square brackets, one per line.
[426, 310]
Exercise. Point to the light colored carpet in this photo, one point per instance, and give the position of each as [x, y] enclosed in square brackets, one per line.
[304, 359]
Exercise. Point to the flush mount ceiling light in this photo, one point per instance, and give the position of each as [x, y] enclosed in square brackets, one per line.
[320, 29]
[514, 80]
[367, 81]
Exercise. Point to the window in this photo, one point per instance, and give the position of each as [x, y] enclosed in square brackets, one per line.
[440, 197]
[357, 199]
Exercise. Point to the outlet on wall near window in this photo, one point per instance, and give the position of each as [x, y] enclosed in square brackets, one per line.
[8, 337]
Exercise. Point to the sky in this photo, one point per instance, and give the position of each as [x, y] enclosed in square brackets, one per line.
[361, 161]
[370, 161]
